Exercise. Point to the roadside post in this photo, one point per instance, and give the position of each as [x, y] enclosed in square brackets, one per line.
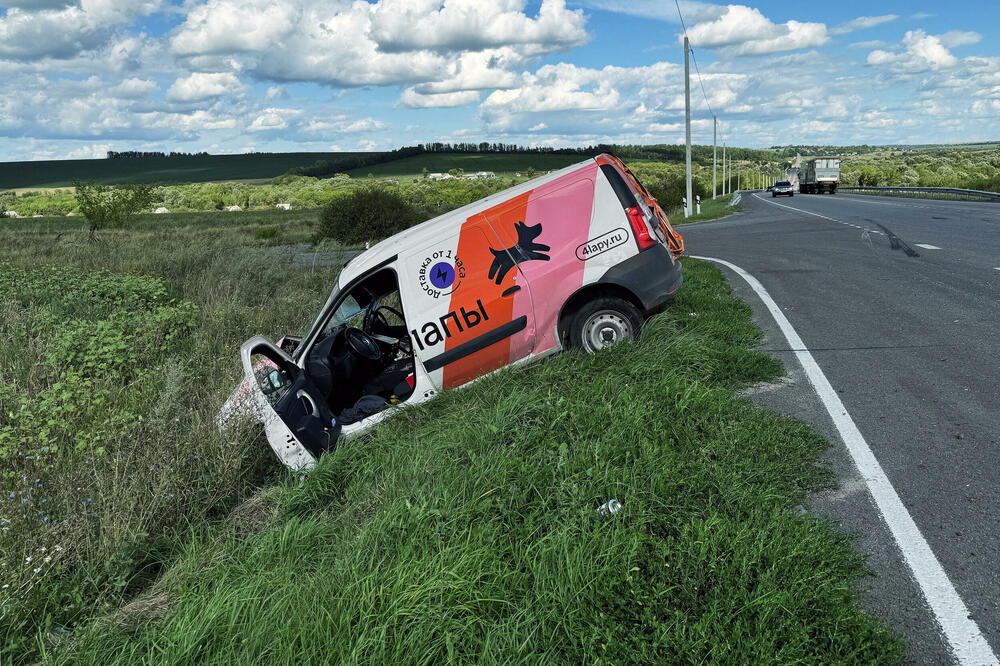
[687, 123]
[698, 204]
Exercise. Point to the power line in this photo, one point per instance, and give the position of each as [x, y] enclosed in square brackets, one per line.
[677, 4]
[701, 82]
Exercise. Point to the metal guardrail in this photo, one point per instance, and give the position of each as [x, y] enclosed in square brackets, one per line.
[908, 191]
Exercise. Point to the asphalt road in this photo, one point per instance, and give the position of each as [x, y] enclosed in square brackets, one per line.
[911, 345]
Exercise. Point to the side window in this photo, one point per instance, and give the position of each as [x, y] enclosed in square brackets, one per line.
[380, 289]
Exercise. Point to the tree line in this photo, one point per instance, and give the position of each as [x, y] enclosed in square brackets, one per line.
[147, 154]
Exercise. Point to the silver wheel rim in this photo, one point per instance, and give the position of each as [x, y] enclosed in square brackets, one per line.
[604, 328]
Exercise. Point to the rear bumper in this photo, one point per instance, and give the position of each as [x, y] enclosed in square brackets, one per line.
[650, 275]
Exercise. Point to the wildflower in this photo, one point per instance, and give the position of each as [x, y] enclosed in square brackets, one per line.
[11, 496]
[59, 548]
[45, 448]
[37, 569]
[27, 560]
[5, 586]
[48, 558]
[42, 549]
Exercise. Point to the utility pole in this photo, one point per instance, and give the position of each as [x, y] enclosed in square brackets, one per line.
[715, 133]
[687, 126]
[724, 179]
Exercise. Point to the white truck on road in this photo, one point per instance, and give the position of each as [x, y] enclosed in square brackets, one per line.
[820, 175]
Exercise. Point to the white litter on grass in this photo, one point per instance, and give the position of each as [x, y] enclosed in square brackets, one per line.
[609, 507]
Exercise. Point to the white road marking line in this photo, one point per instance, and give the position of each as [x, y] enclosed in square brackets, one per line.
[927, 247]
[962, 633]
[799, 210]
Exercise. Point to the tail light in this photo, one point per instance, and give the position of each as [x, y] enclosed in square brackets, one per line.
[642, 237]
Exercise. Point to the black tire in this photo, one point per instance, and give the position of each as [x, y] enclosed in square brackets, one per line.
[773, 195]
[602, 322]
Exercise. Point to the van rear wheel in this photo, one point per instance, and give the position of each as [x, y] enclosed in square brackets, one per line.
[603, 322]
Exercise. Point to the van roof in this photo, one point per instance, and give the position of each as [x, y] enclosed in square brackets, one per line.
[443, 224]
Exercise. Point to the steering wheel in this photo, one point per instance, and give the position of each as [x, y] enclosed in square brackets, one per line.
[362, 344]
[376, 317]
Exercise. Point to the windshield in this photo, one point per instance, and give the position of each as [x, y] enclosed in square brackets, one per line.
[782, 183]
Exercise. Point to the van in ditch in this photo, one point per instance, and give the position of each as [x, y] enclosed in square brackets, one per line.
[577, 258]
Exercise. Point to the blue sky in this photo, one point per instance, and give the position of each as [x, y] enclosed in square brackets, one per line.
[81, 77]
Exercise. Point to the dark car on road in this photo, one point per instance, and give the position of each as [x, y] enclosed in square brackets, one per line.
[782, 187]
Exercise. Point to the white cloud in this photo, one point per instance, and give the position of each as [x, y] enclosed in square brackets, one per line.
[921, 52]
[201, 86]
[223, 26]
[39, 30]
[272, 119]
[744, 30]
[986, 107]
[956, 38]
[460, 45]
[94, 151]
[415, 100]
[134, 88]
[862, 23]
[473, 25]
[345, 126]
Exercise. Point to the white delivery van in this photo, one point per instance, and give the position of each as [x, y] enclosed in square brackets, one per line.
[576, 258]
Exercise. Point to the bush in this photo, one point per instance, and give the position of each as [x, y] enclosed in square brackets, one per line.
[670, 190]
[266, 233]
[105, 206]
[367, 214]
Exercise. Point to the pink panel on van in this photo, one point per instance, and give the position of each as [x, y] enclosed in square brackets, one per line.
[563, 208]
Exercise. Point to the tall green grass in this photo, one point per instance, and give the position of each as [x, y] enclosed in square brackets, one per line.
[116, 357]
[465, 530]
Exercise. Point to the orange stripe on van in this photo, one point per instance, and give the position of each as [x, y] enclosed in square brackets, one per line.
[474, 244]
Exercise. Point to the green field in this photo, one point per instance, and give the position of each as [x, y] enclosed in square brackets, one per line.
[461, 530]
[193, 169]
[502, 164]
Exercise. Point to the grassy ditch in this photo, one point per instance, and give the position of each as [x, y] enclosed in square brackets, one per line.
[465, 529]
[711, 209]
[116, 357]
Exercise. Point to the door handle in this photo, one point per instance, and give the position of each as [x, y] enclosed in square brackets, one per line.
[308, 399]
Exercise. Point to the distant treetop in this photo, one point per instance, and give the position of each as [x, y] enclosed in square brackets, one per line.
[137, 154]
